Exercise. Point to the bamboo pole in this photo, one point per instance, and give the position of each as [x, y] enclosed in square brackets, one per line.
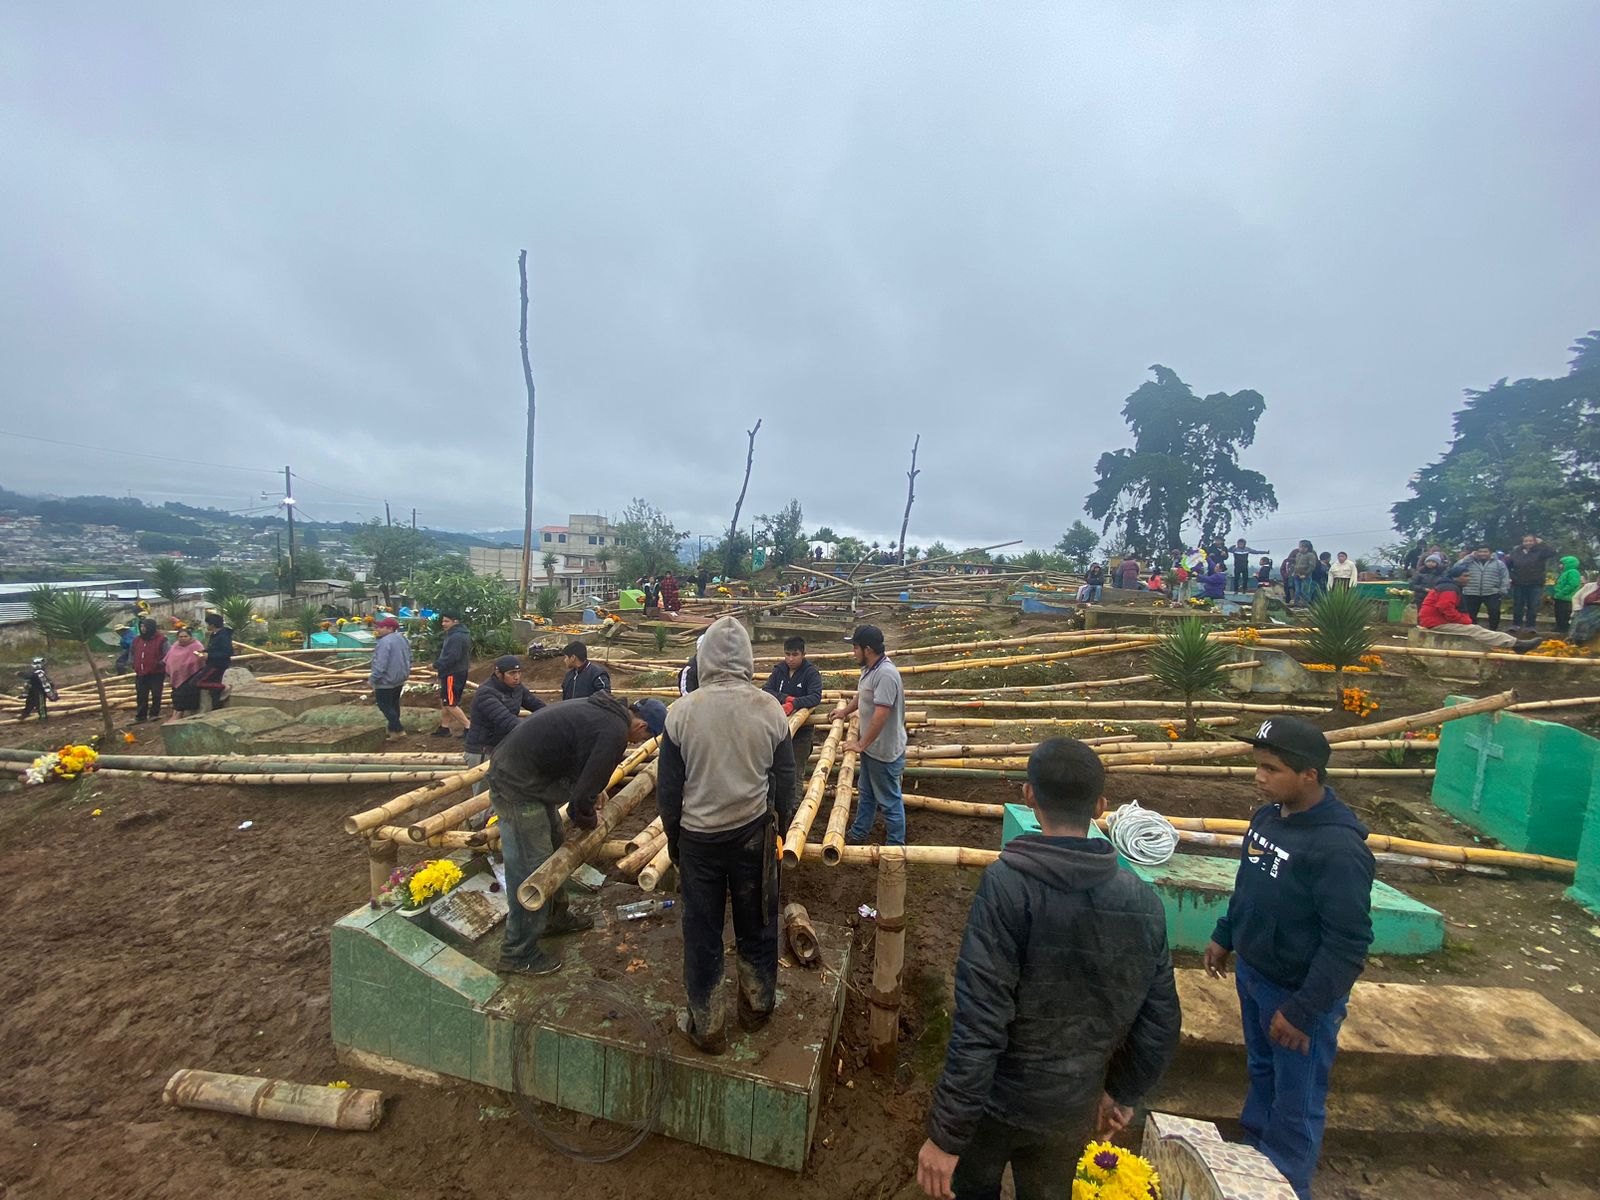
[641, 855]
[1541, 705]
[1086, 706]
[801, 935]
[648, 834]
[580, 845]
[956, 808]
[449, 818]
[888, 961]
[383, 855]
[1493, 655]
[1020, 772]
[653, 870]
[450, 839]
[385, 814]
[806, 813]
[358, 1109]
[298, 666]
[1020, 660]
[936, 856]
[843, 794]
[261, 779]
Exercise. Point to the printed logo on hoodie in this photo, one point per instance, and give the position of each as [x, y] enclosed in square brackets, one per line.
[1262, 854]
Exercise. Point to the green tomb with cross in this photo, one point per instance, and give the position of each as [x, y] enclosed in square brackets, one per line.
[1195, 890]
[1523, 782]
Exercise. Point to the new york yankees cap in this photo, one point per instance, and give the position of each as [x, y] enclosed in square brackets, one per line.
[1293, 736]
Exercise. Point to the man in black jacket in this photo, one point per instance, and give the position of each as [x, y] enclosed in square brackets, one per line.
[1528, 564]
[1301, 921]
[796, 683]
[497, 708]
[562, 754]
[583, 678]
[451, 664]
[1066, 1013]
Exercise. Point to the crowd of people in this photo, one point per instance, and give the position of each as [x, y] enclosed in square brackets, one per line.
[1215, 570]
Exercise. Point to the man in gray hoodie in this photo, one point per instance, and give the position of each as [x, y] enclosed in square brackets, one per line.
[727, 774]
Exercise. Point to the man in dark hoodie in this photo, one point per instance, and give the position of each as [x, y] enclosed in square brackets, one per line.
[562, 754]
[452, 663]
[796, 683]
[1301, 921]
[1066, 1013]
[727, 773]
[497, 708]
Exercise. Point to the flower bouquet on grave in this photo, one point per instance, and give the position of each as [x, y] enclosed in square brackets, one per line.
[69, 762]
[1107, 1172]
[415, 887]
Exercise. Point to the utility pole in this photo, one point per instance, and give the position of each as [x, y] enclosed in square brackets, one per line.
[278, 539]
[288, 508]
[386, 521]
[413, 520]
[527, 466]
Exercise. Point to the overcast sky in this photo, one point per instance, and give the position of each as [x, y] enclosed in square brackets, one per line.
[278, 234]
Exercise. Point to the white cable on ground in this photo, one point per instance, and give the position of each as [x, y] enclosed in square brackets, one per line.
[1141, 836]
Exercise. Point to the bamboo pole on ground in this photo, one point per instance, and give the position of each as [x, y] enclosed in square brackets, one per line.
[843, 794]
[806, 813]
[449, 818]
[648, 834]
[931, 856]
[450, 839]
[301, 779]
[653, 870]
[1095, 706]
[537, 889]
[1542, 705]
[358, 1109]
[1020, 773]
[1021, 660]
[384, 814]
[955, 808]
[310, 667]
[888, 962]
[641, 855]
[1492, 656]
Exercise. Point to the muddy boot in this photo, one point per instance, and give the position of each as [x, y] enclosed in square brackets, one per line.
[542, 963]
[568, 921]
[713, 1045]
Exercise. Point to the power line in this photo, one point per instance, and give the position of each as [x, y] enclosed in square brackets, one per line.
[190, 462]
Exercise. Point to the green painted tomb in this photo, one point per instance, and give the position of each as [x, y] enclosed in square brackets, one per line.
[1523, 782]
[1195, 890]
[1585, 887]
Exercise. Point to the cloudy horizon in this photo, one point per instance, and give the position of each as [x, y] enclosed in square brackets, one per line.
[238, 239]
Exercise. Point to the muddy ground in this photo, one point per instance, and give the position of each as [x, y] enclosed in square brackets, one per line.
[158, 935]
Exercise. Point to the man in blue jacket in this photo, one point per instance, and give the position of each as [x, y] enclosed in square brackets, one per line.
[1301, 921]
[1066, 1013]
[452, 664]
[497, 708]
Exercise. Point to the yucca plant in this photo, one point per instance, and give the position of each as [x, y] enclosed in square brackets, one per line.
[1341, 632]
[309, 621]
[221, 583]
[662, 634]
[68, 616]
[1189, 663]
[546, 602]
[167, 577]
[237, 611]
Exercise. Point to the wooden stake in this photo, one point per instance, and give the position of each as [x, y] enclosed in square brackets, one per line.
[888, 962]
[382, 858]
[843, 794]
[801, 935]
[357, 1109]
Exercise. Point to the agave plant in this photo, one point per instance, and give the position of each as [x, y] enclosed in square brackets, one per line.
[167, 577]
[70, 616]
[1341, 632]
[1188, 662]
[308, 620]
[237, 611]
[221, 583]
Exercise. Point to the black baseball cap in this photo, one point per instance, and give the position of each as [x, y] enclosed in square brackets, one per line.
[507, 662]
[869, 636]
[1293, 736]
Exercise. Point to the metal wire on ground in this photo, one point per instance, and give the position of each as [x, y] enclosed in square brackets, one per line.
[634, 1104]
[1141, 836]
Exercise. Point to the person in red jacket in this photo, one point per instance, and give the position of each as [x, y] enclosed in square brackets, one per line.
[147, 656]
[669, 592]
[1441, 613]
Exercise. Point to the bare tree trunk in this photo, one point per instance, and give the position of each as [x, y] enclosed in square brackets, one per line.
[100, 686]
[730, 559]
[911, 494]
[527, 474]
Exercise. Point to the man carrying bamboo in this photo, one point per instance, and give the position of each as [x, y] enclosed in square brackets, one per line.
[562, 754]
[726, 787]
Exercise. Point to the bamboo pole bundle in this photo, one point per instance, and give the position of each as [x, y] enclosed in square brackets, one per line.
[652, 872]
[580, 845]
[384, 814]
[357, 1109]
[809, 803]
[1346, 733]
[1020, 660]
[843, 795]
[450, 839]
[302, 779]
[888, 961]
[449, 818]
[640, 856]
[648, 834]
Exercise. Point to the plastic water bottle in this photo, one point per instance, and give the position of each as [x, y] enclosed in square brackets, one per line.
[640, 909]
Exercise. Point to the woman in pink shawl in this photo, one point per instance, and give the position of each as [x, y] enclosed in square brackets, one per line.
[184, 661]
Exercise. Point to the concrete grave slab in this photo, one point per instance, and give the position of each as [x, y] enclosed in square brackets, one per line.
[292, 701]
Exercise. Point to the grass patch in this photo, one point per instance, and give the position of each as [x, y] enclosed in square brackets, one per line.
[934, 1003]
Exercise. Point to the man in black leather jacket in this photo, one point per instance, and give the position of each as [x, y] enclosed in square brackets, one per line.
[1066, 1013]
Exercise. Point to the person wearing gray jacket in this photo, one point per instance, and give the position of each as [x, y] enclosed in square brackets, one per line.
[391, 667]
[1483, 585]
[726, 776]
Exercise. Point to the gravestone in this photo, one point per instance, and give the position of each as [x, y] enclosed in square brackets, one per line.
[1523, 782]
[1278, 675]
[1195, 890]
[292, 701]
[230, 731]
[367, 717]
[1194, 1163]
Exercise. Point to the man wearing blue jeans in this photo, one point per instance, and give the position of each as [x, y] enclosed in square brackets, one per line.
[1301, 922]
[881, 743]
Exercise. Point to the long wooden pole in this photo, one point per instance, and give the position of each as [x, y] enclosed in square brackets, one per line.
[843, 793]
[384, 814]
[806, 813]
[537, 889]
[527, 463]
[888, 962]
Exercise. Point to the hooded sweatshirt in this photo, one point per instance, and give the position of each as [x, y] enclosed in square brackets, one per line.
[1063, 988]
[455, 651]
[1569, 581]
[1301, 911]
[726, 744]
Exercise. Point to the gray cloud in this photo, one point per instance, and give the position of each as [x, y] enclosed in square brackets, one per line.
[290, 236]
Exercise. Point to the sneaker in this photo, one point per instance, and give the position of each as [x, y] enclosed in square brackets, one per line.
[542, 963]
[1526, 644]
[440, 732]
[568, 922]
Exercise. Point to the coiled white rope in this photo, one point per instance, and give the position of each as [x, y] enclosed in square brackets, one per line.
[1141, 836]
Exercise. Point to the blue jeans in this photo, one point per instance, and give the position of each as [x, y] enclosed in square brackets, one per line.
[1287, 1104]
[530, 832]
[878, 786]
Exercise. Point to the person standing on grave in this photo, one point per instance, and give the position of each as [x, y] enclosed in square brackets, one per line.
[796, 684]
[148, 659]
[1241, 565]
[1066, 1013]
[1302, 563]
[1300, 920]
[1264, 572]
[184, 663]
[725, 791]
[562, 754]
[1342, 573]
[1484, 583]
[1427, 577]
[1566, 587]
[583, 678]
[1528, 563]
[1319, 574]
[497, 708]
[1441, 613]
[219, 656]
[881, 700]
[670, 599]
[452, 663]
[391, 668]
